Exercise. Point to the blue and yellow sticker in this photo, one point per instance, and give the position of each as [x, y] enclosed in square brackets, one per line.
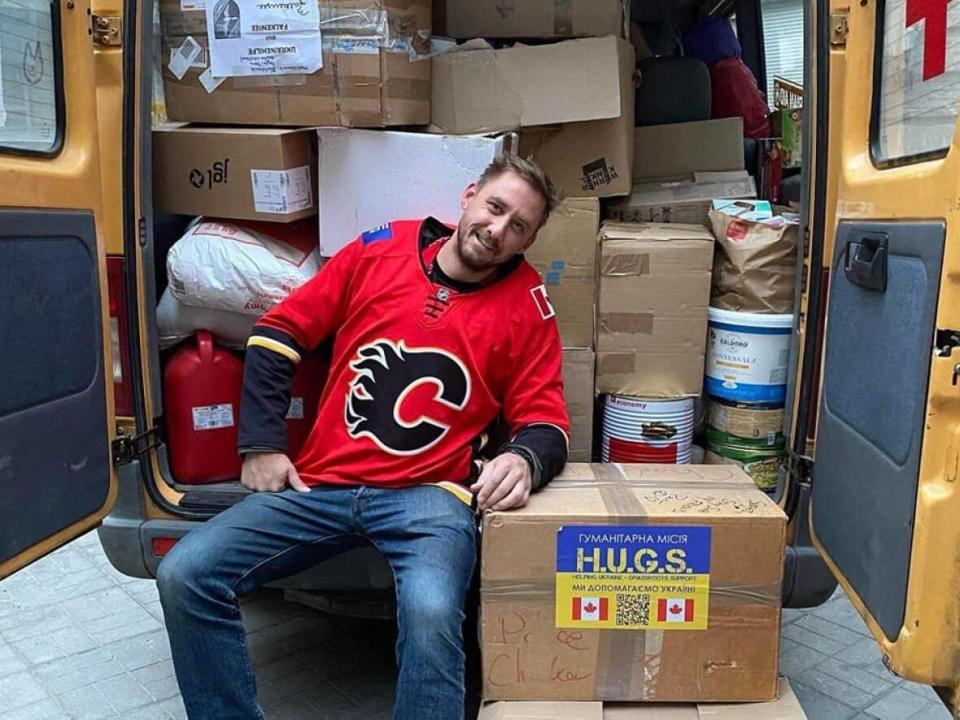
[633, 577]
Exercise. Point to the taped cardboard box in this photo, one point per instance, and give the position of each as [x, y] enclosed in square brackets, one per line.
[367, 80]
[238, 173]
[652, 308]
[578, 366]
[681, 149]
[370, 177]
[478, 89]
[565, 255]
[785, 707]
[464, 19]
[685, 200]
[636, 583]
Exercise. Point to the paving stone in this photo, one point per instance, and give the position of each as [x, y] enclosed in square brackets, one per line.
[124, 693]
[87, 703]
[818, 706]
[924, 691]
[795, 658]
[38, 650]
[10, 661]
[142, 650]
[71, 680]
[44, 710]
[933, 711]
[73, 640]
[19, 690]
[829, 629]
[174, 708]
[125, 625]
[861, 652]
[898, 704]
[78, 661]
[818, 642]
[788, 615]
[841, 612]
[856, 676]
[35, 623]
[836, 688]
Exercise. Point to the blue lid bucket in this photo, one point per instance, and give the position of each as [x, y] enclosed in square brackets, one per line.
[747, 356]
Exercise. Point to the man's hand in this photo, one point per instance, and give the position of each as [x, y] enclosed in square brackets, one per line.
[504, 483]
[270, 472]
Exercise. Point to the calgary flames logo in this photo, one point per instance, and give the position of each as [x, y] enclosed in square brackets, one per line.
[387, 373]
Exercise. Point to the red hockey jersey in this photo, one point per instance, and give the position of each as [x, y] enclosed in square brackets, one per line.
[419, 369]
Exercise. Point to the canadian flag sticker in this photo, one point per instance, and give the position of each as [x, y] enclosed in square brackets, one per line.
[590, 609]
[675, 610]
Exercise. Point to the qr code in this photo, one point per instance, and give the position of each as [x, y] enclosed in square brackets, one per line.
[633, 609]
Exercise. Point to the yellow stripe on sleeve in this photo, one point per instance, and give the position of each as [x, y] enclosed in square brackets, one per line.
[275, 345]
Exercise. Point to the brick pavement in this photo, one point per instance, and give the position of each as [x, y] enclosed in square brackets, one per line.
[79, 640]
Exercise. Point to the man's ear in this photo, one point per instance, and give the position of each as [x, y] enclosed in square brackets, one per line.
[468, 194]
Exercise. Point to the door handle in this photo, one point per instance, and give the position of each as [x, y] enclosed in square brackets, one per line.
[866, 261]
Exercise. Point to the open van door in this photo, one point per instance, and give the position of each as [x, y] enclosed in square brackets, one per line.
[56, 411]
[885, 240]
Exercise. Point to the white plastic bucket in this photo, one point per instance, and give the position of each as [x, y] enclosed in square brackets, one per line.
[637, 430]
[747, 356]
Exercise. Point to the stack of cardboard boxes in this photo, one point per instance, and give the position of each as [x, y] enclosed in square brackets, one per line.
[636, 583]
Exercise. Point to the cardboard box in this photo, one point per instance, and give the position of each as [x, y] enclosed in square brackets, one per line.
[485, 90]
[578, 364]
[369, 177]
[785, 707]
[691, 614]
[565, 255]
[682, 201]
[652, 308]
[681, 149]
[592, 158]
[362, 83]
[787, 124]
[464, 19]
[237, 173]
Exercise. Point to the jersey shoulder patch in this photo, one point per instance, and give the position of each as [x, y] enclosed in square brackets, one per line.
[383, 232]
[542, 301]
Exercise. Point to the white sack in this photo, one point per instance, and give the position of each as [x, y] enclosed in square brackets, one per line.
[234, 267]
[177, 321]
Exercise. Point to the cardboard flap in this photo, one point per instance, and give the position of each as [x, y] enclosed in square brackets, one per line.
[522, 710]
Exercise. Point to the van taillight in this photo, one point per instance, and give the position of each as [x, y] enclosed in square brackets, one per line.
[119, 348]
[161, 546]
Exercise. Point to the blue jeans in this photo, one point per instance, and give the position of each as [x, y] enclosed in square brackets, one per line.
[426, 534]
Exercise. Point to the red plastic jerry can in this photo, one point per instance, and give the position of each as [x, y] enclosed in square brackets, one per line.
[306, 388]
[201, 399]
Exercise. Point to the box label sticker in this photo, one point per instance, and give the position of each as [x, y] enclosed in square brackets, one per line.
[279, 192]
[264, 37]
[209, 82]
[183, 57]
[597, 175]
[633, 577]
[213, 417]
[295, 411]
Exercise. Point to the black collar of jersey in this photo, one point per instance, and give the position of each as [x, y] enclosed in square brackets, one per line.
[432, 230]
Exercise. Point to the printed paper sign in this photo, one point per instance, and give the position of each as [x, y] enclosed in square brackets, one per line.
[633, 577]
[212, 417]
[281, 191]
[187, 5]
[209, 82]
[264, 37]
[183, 57]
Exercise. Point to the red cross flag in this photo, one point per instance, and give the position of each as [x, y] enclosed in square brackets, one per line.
[675, 610]
[934, 16]
[590, 609]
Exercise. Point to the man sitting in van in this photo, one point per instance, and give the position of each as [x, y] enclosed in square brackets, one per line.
[438, 330]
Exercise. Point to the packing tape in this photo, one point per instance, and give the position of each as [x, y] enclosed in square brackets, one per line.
[544, 589]
[627, 265]
[616, 363]
[633, 323]
[563, 18]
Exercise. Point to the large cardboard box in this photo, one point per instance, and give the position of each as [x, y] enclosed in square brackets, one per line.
[464, 19]
[578, 364]
[370, 177]
[635, 583]
[681, 149]
[367, 78]
[565, 254]
[477, 89]
[237, 173]
[684, 200]
[652, 308]
[785, 707]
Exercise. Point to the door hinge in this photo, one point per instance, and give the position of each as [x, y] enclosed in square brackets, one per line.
[107, 30]
[125, 448]
[839, 28]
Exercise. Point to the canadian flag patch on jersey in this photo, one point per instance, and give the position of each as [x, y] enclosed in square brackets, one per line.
[542, 301]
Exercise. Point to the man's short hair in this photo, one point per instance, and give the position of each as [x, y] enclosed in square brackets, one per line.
[532, 173]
